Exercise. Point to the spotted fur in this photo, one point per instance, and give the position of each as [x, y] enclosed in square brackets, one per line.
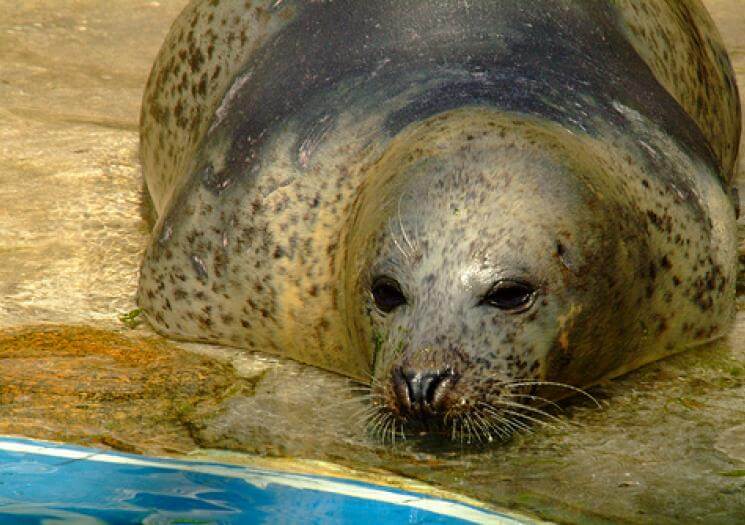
[680, 43]
[296, 149]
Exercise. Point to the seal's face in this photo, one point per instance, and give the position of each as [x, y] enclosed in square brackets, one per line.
[489, 270]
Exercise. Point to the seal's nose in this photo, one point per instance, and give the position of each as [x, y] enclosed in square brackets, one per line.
[421, 391]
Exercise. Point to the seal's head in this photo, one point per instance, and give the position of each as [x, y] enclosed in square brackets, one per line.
[488, 254]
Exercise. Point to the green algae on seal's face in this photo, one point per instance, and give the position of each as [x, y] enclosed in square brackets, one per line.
[461, 202]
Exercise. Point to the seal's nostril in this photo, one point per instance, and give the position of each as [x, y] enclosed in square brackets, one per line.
[437, 385]
[418, 390]
[402, 389]
[429, 384]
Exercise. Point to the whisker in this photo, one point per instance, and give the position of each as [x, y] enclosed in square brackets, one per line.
[484, 426]
[350, 401]
[478, 428]
[380, 427]
[375, 422]
[393, 430]
[507, 421]
[553, 383]
[362, 415]
[373, 416]
[467, 425]
[369, 376]
[388, 422]
[401, 226]
[535, 398]
[416, 230]
[395, 241]
[347, 410]
[503, 432]
[519, 425]
[365, 413]
[526, 407]
[530, 418]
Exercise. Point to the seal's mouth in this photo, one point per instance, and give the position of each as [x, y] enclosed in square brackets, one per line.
[467, 424]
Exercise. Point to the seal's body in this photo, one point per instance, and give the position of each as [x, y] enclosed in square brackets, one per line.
[459, 198]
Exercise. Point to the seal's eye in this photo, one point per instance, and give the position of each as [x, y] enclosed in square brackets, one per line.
[387, 294]
[513, 296]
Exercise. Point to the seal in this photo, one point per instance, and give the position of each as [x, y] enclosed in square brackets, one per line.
[475, 206]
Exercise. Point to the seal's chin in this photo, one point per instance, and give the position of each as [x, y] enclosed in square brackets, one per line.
[468, 422]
